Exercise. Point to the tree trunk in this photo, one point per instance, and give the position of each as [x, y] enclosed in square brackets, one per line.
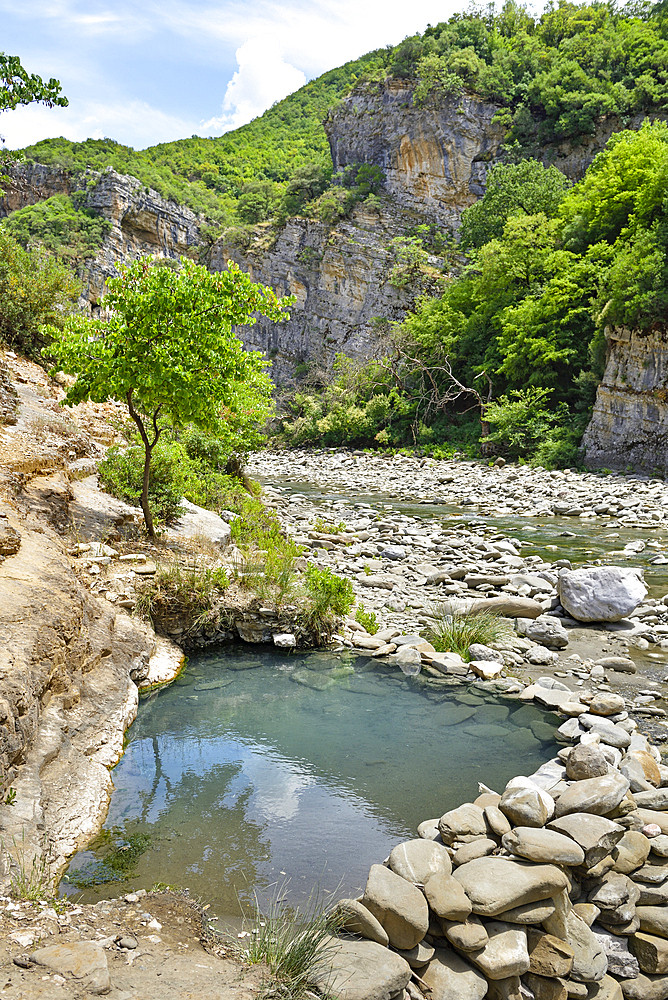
[148, 517]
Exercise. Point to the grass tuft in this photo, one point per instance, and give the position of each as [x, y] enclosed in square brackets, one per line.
[456, 632]
[32, 877]
[189, 590]
[295, 945]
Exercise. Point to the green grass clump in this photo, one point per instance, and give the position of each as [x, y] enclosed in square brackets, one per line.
[367, 619]
[327, 528]
[457, 632]
[189, 590]
[295, 945]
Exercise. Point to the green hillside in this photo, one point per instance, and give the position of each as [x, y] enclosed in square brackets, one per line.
[209, 175]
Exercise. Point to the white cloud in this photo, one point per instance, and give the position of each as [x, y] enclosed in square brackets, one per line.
[140, 124]
[262, 78]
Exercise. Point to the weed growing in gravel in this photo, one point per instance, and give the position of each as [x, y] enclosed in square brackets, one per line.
[190, 589]
[295, 944]
[367, 619]
[457, 632]
[32, 878]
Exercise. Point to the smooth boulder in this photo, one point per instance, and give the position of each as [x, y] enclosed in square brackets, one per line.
[450, 977]
[418, 860]
[497, 884]
[593, 795]
[600, 593]
[398, 906]
[505, 954]
[362, 970]
[546, 846]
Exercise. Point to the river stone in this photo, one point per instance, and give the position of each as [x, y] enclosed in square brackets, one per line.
[609, 733]
[505, 954]
[84, 960]
[589, 961]
[596, 835]
[509, 607]
[659, 845]
[600, 593]
[362, 970]
[524, 807]
[408, 659]
[616, 897]
[464, 824]
[417, 860]
[546, 846]
[447, 898]
[649, 765]
[656, 798]
[354, 917]
[542, 988]
[621, 962]
[649, 816]
[548, 631]
[631, 852]
[645, 988]
[548, 956]
[585, 762]
[478, 651]
[606, 989]
[529, 913]
[497, 821]
[428, 830]
[497, 884]
[398, 905]
[651, 952]
[606, 703]
[653, 920]
[593, 795]
[418, 956]
[476, 849]
[468, 935]
[450, 977]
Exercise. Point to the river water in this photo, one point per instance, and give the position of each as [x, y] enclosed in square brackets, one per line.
[259, 768]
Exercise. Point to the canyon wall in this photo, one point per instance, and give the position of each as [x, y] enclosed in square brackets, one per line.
[629, 425]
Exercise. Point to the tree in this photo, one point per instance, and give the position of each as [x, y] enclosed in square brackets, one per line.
[168, 350]
[17, 86]
[525, 188]
[35, 288]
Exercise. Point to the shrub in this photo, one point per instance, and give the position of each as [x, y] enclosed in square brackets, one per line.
[189, 591]
[328, 593]
[456, 632]
[367, 619]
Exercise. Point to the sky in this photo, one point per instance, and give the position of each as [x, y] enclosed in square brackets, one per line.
[148, 71]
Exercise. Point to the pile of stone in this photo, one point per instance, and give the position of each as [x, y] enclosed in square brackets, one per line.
[554, 888]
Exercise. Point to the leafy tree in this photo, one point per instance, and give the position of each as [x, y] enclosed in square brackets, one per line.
[35, 288]
[257, 201]
[17, 86]
[524, 188]
[169, 352]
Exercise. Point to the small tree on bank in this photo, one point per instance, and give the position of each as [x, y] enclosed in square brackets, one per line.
[168, 351]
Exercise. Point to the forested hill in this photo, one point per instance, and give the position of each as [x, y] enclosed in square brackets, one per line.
[553, 77]
[210, 174]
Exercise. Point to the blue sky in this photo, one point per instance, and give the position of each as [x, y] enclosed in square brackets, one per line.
[147, 71]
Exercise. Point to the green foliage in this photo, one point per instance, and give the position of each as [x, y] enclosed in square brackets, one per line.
[554, 75]
[169, 352]
[367, 619]
[326, 527]
[525, 188]
[17, 86]
[72, 235]
[32, 875]
[328, 593]
[457, 632]
[35, 289]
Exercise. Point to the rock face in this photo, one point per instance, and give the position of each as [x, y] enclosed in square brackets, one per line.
[629, 425]
[435, 161]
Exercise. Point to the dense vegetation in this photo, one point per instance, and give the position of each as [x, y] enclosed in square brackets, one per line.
[60, 225]
[547, 269]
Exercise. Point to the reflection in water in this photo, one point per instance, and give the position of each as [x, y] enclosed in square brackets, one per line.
[242, 777]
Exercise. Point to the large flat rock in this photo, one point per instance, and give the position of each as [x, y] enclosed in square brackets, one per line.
[497, 884]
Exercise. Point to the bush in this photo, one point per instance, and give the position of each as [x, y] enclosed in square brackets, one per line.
[328, 593]
[189, 591]
[367, 619]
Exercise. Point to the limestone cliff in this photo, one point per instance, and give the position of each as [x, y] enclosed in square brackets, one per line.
[141, 221]
[629, 425]
[339, 276]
